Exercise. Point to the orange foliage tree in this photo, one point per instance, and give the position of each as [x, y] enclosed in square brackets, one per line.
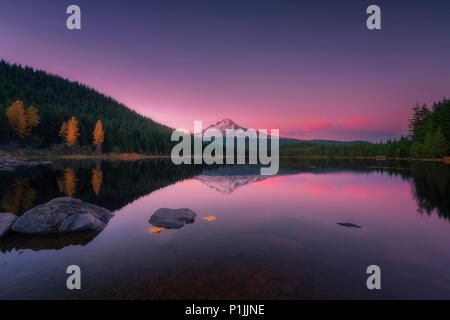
[21, 120]
[99, 136]
[70, 132]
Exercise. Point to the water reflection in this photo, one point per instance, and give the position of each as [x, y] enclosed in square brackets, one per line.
[18, 197]
[97, 179]
[115, 184]
[45, 242]
[293, 236]
[110, 184]
[68, 183]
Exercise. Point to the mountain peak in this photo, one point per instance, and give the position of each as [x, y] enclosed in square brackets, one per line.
[224, 124]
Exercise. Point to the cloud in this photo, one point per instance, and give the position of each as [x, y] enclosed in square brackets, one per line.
[315, 125]
[354, 128]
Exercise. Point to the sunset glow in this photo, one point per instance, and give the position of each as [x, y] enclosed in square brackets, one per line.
[311, 77]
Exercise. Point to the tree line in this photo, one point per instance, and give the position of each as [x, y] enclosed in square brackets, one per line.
[62, 109]
[22, 121]
[59, 99]
[429, 137]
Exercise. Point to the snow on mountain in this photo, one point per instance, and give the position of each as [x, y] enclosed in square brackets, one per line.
[224, 124]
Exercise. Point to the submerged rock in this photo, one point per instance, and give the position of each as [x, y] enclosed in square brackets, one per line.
[62, 215]
[172, 218]
[6, 221]
[349, 225]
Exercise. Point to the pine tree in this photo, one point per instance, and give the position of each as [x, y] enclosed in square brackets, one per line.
[440, 143]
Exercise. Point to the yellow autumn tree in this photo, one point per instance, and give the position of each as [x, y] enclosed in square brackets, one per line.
[31, 119]
[21, 120]
[99, 136]
[71, 131]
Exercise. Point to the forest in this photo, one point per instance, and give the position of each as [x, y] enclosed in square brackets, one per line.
[429, 137]
[49, 101]
[39, 110]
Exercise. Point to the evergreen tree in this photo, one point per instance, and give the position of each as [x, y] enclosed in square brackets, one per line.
[440, 143]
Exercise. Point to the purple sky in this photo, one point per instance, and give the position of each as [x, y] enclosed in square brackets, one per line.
[312, 70]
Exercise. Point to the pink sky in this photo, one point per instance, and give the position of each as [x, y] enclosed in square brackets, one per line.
[274, 67]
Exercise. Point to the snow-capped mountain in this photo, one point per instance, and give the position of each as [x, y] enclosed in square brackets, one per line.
[224, 124]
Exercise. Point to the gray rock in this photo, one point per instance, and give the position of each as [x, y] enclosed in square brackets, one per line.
[6, 221]
[81, 222]
[62, 215]
[172, 218]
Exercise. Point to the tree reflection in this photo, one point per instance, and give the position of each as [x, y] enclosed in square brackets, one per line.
[97, 179]
[68, 184]
[113, 184]
[19, 197]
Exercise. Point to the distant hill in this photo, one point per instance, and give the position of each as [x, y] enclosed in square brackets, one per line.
[334, 142]
[57, 99]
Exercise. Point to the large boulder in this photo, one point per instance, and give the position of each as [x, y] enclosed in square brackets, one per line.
[62, 215]
[172, 218]
[6, 221]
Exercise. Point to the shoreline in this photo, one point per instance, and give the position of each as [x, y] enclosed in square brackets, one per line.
[444, 160]
[137, 156]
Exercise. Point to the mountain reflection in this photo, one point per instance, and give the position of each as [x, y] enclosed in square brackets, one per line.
[114, 184]
[228, 184]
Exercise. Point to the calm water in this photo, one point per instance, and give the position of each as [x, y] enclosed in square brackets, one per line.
[273, 237]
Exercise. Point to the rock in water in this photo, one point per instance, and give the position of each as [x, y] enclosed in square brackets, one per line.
[349, 225]
[172, 218]
[62, 215]
[6, 221]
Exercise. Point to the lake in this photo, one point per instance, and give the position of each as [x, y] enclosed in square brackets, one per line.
[309, 232]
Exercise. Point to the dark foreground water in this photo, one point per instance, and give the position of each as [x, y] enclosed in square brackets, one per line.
[273, 237]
